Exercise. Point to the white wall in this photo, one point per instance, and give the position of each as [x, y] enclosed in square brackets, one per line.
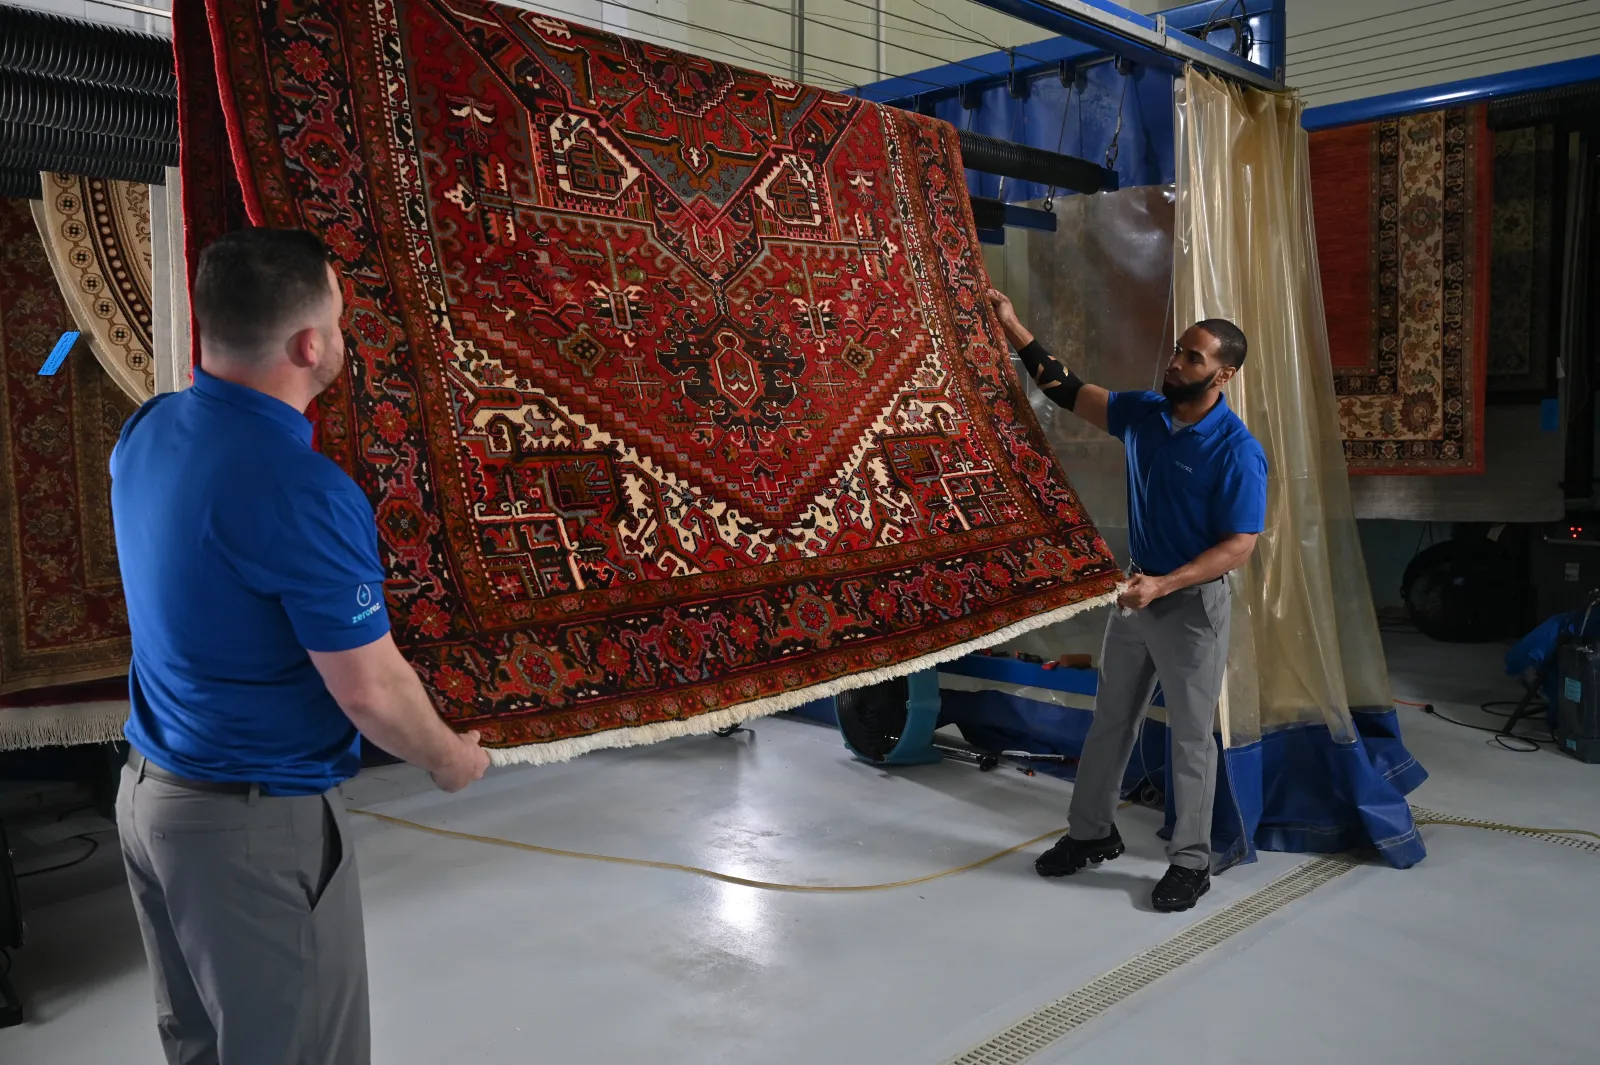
[106, 14]
[1338, 49]
[1358, 48]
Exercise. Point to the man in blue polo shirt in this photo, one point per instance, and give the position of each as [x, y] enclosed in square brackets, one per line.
[260, 646]
[1197, 498]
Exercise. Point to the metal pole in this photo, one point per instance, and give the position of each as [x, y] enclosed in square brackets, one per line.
[798, 40]
[883, 46]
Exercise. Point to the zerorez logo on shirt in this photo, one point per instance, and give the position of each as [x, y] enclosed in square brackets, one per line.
[364, 600]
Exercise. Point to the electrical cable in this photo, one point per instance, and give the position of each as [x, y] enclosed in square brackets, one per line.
[1211, 20]
[996, 45]
[94, 845]
[531, 5]
[1406, 48]
[1344, 46]
[936, 34]
[864, 36]
[1388, 14]
[1243, 36]
[1499, 739]
[1402, 72]
[985, 40]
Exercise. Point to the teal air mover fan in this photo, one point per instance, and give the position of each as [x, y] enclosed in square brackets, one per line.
[892, 723]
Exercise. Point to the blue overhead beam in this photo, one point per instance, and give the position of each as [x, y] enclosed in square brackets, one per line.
[1081, 42]
[1454, 93]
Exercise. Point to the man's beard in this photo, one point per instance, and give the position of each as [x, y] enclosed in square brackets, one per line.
[328, 372]
[1188, 393]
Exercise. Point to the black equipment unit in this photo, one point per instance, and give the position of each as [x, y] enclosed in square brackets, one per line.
[1566, 568]
[10, 932]
[1578, 703]
[1464, 590]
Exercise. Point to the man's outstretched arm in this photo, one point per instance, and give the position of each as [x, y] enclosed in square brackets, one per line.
[1061, 385]
[381, 695]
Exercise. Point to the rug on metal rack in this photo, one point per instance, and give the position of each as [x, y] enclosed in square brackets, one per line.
[62, 618]
[673, 385]
[97, 235]
[1403, 212]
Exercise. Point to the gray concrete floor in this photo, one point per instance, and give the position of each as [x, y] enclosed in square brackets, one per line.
[478, 953]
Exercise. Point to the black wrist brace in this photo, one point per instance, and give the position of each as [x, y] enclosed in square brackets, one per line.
[1054, 379]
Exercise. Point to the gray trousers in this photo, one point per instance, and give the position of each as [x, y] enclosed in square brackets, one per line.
[1182, 641]
[251, 916]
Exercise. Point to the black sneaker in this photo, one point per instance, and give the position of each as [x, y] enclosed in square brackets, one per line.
[1180, 889]
[1069, 855]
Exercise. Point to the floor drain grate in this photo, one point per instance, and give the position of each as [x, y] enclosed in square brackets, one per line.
[1043, 1027]
[1434, 817]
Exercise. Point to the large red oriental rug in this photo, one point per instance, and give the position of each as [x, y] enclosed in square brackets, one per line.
[673, 385]
[62, 616]
[1403, 210]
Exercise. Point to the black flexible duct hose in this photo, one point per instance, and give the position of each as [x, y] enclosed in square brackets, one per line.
[32, 42]
[23, 137]
[92, 166]
[20, 184]
[988, 213]
[1022, 163]
[1544, 106]
[87, 108]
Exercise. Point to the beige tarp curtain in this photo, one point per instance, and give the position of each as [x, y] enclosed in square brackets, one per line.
[1306, 647]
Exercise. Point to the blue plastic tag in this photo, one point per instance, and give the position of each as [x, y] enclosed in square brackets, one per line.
[1574, 690]
[58, 354]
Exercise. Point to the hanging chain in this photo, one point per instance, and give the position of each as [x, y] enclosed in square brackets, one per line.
[1061, 138]
[1116, 134]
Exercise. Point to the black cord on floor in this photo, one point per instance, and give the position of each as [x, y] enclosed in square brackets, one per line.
[94, 845]
[74, 810]
[1499, 739]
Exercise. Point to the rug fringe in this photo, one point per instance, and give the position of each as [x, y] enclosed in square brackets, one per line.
[65, 725]
[703, 724]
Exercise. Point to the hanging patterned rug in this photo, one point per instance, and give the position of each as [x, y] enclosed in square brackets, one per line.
[97, 235]
[62, 618]
[1524, 304]
[1403, 213]
[673, 385]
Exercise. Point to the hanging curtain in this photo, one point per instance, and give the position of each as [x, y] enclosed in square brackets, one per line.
[1313, 754]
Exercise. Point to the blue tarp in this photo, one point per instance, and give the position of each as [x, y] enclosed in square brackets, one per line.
[1144, 146]
[1296, 789]
[1530, 653]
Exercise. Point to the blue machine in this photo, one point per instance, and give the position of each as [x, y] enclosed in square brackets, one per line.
[892, 723]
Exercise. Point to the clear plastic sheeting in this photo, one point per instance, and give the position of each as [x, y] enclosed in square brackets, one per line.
[1097, 292]
[1306, 648]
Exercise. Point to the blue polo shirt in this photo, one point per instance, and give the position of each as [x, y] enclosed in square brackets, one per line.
[241, 549]
[1187, 490]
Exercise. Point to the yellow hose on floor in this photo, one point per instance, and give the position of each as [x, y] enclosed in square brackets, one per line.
[1495, 826]
[1423, 818]
[726, 878]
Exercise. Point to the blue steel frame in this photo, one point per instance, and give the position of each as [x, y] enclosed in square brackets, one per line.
[1454, 93]
[1083, 40]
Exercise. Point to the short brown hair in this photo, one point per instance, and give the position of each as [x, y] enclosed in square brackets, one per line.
[251, 281]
